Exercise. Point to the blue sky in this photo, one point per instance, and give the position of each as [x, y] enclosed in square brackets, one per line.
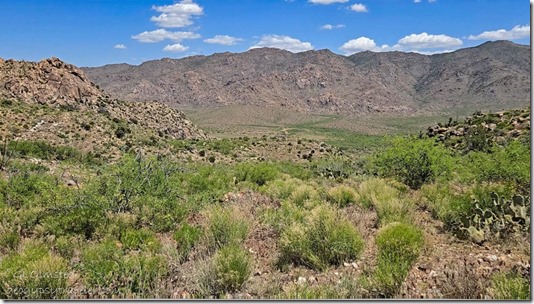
[99, 32]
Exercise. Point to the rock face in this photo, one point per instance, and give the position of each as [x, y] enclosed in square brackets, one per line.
[54, 102]
[51, 81]
[321, 81]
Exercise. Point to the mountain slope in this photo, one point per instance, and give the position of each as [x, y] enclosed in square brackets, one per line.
[54, 102]
[321, 81]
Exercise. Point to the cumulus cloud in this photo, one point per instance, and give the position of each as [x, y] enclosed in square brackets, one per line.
[162, 34]
[517, 32]
[331, 27]
[326, 2]
[358, 7]
[120, 46]
[223, 39]
[175, 48]
[426, 41]
[283, 42]
[177, 15]
[364, 44]
[419, 43]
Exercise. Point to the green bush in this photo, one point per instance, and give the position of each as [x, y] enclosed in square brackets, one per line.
[186, 236]
[225, 272]
[510, 165]
[281, 188]
[258, 174]
[110, 271]
[42, 150]
[510, 286]
[325, 239]
[342, 196]
[33, 273]
[286, 215]
[305, 195]
[233, 267]
[346, 288]
[206, 184]
[226, 225]
[387, 201]
[399, 246]
[140, 239]
[412, 161]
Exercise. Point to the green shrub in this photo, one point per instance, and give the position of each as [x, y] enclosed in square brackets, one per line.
[387, 201]
[233, 267]
[42, 150]
[286, 215]
[305, 196]
[342, 196]
[510, 165]
[108, 269]
[65, 246]
[140, 239]
[346, 288]
[398, 246]
[510, 286]
[100, 263]
[281, 188]
[258, 174]
[226, 271]
[33, 273]
[186, 236]
[412, 161]
[325, 239]
[206, 184]
[9, 240]
[226, 225]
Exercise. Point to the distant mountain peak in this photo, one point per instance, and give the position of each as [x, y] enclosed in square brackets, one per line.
[324, 82]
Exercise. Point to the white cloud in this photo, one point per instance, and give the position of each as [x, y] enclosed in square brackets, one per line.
[364, 44]
[120, 46]
[162, 34]
[283, 42]
[175, 48]
[360, 44]
[358, 7]
[426, 41]
[416, 1]
[517, 32]
[223, 39]
[418, 43]
[326, 2]
[177, 15]
[331, 27]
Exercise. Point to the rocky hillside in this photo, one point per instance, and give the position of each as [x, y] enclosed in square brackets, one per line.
[494, 73]
[481, 131]
[55, 102]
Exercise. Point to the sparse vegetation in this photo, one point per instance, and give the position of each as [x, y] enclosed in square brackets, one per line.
[234, 218]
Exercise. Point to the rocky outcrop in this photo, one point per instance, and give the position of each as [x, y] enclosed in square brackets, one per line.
[77, 101]
[51, 82]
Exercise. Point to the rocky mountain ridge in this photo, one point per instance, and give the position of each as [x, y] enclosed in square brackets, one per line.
[53, 101]
[324, 82]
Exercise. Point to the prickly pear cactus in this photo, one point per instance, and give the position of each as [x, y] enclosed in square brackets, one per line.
[496, 219]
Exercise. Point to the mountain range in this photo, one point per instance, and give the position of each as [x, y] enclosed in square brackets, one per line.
[493, 73]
